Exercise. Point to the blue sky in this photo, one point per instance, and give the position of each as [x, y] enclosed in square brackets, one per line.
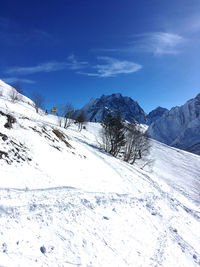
[72, 50]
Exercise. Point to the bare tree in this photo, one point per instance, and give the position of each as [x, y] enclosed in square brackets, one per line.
[16, 92]
[126, 141]
[80, 120]
[137, 145]
[60, 120]
[60, 115]
[65, 115]
[69, 115]
[38, 100]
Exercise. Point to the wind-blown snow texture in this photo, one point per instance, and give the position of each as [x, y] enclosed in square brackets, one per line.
[179, 127]
[64, 202]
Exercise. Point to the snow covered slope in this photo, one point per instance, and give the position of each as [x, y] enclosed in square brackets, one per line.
[64, 202]
[9, 93]
[180, 127]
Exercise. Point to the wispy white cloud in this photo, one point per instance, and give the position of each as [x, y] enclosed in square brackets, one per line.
[75, 64]
[16, 80]
[44, 67]
[158, 43]
[72, 64]
[113, 67]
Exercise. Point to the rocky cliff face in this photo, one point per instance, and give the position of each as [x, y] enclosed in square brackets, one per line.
[179, 127]
[100, 107]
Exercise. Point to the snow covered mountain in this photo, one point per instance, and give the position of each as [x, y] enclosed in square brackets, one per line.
[99, 108]
[129, 109]
[179, 127]
[64, 202]
[155, 114]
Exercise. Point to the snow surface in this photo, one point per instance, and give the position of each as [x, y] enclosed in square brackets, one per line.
[64, 202]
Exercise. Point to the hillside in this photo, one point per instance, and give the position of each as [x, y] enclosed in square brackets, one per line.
[64, 202]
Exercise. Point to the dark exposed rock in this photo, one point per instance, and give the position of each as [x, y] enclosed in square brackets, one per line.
[10, 120]
[4, 137]
[43, 249]
[99, 108]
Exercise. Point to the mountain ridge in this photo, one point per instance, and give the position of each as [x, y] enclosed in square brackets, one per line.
[179, 127]
[130, 110]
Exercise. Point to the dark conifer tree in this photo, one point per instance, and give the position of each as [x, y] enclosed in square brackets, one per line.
[113, 134]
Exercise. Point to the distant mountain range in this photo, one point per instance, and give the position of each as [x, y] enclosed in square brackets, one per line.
[178, 127]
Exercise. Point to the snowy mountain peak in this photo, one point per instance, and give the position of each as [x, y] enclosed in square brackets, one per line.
[198, 97]
[155, 114]
[100, 107]
[117, 95]
[180, 126]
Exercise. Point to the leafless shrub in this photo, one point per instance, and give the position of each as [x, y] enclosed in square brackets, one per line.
[137, 146]
[16, 93]
[38, 100]
[65, 115]
[68, 115]
[125, 141]
[60, 120]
